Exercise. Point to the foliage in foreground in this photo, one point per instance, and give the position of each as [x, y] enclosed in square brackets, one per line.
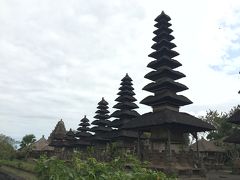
[7, 149]
[90, 169]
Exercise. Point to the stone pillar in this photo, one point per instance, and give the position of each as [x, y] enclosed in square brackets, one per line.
[197, 147]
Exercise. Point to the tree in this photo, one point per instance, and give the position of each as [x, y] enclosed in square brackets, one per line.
[7, 147]
[27, 140]
[220, 122]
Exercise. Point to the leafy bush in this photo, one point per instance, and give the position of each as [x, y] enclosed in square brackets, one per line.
[90, 169]
[53, 168]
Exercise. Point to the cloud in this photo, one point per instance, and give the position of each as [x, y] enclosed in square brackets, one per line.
[59, 58]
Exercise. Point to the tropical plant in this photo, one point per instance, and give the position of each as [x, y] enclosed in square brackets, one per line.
[124, 167]
[27, 140]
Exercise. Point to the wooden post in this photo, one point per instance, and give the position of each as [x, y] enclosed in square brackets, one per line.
[138, 145]
[151, 145]
[169, 145]
[198, 156]
[140, 155]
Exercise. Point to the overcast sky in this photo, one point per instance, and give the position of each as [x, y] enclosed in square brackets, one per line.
[59, 58]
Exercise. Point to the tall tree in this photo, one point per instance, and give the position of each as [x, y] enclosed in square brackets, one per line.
[7, 147]
[27, 140]
[219, 120]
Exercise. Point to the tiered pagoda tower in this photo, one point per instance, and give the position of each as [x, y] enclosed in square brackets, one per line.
[69, 140]
[101, 123]
[164, 75]
[125, 104]
[167, 126]
[83, 129]
[57, 136]
[83, 134]
[125, 112]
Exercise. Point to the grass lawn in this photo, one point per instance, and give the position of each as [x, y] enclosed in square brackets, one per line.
[23, 165]
[22, 169]
[17, 173]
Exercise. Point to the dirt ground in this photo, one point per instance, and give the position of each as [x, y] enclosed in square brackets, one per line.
[215, 175]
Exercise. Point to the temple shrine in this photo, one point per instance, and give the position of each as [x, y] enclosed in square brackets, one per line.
[125, 106]
[167, 125]
[160, 136]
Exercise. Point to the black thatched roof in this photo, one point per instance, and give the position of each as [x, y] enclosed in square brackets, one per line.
[233, 138]
[162, 17]
[83, 127]
[82, 131]
[83, 134]
[57, 143]
[166, 97]
[57, 136]
[169, 118]
[125, 103]
[70, 135]
[119, 122]
[164, 61]
[101, 123]
[164, 86]
[83, 143]
[127, 114]
[69, 139]
[235, 118]
[206, 146]
[100, 129]
[42, 145]
[59, 131]
[99, 139]
[118, 134]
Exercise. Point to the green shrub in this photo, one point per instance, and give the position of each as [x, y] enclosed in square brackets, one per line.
[53, 169]
[91, 169]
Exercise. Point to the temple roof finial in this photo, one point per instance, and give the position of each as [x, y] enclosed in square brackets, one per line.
[163, 17]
